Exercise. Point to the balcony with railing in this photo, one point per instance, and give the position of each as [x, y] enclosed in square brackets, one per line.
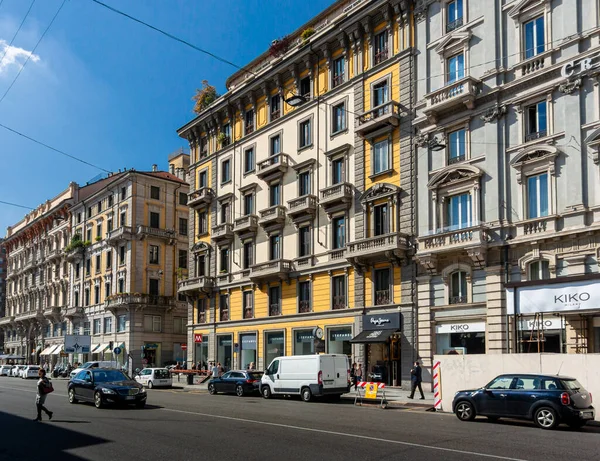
[54, 254]
[8, 320]
[380, 56]
[195, 285]
[29, 315]
[222, 232]
[453, 25]
[304, 307]
[337, 197]
[382, 297]
[249, 129]
[456, 159]
[376, 248]
[200, 197]
[535, 64]
[337, 80]
[223, 314]
[147, 231]
[272, 217]
[302, 208]
[246, 225]
[546, 225]
[119, 235]
[274, 309]
[535, 135]
[202, 317]
[338, 303]
[458, 299]
[274, 166]
[75, 254]
[275, 114]
[278, 269]
[52, 311]
[139, 300]
[384, 115]
[248, 312]
[452, 96]
[454, 238]
[73, 312]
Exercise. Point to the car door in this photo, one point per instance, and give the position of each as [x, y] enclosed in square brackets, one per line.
[222, 383]
[524, 392]
[235, 378]
[87, 385]
[492, 399]
[271, 376]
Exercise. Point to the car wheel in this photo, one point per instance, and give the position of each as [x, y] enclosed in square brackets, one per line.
[546, 418]
[266, 392]
[211, 389]
[98, 400]
[306, 394]
[465, 411]
[150, 385]
[72, 398]
[578, 424]
[141, 404]
[239, 390]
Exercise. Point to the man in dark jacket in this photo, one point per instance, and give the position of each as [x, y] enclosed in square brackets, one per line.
[416, 378]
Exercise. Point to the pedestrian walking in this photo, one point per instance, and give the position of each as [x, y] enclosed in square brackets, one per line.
[358, 375]
[215, 371]
[221, 370]
[416, 378]
[43, 389]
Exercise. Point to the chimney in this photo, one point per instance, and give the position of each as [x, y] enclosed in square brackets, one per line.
[172, 168]
[155, 167]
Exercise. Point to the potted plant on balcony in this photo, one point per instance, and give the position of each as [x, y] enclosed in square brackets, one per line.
[98, 238]
[279, 46]
[306, 34]
[204, 96]
[221, 138]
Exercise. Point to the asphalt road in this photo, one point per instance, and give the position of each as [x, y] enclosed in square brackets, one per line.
[178, 425]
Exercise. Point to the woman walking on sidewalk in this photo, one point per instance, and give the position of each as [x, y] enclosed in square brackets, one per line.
[43, 386]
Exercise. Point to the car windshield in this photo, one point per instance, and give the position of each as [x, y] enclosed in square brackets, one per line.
[109, 376]
[161, 374]
[572, 384]
[255, 375]
[86, 365]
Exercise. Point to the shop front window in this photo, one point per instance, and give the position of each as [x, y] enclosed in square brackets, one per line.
[339, 341]
[304, 342]
[202, 353]
[248, 354]
[224, 351]
[274, 346]
[461, 338]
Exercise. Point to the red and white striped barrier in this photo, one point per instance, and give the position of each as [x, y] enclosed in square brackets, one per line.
[364, 384]
[437, 389]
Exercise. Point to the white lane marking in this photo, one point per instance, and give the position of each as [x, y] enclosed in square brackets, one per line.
[31, 392]
[343, 434]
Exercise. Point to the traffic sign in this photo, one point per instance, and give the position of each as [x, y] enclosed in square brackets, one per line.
[184, 347]
[117, 350]
[197, 337]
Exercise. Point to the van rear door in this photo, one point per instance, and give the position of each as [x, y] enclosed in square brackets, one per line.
[328, 371]
[341, 371]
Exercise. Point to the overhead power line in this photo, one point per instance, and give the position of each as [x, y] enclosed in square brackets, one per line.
[15, 204]
[17, 32]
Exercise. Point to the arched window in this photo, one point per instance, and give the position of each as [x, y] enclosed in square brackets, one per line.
[458, 288]
[539, 270]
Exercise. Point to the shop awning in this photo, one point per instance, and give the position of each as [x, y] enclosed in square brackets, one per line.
[373, 336]
[101, 348]
[36, 350]
[57, 349]
[48, 350]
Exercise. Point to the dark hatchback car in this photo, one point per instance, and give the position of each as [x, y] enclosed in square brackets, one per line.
[103, 386]
[239, 382]
[544, 399]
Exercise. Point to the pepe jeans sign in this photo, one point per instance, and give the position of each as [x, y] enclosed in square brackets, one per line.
[381, 321]
[559, 297]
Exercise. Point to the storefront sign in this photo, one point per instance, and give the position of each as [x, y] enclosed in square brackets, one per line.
[197, 337]
[580, 65]
[461, 327]
[559, 297]
[248, 342]
[381, 321]
[545, 324]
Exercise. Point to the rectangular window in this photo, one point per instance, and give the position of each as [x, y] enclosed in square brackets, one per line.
[539, 270]
[459, 211]
[275, 145]
[305, 87]
[381, 47]
[537, 121]
[304, 241]
[86, 328]
[381, 157]
[122, 254]
[274, 247]
[534, 37]
[337, 171]
[121, 285]
[97, 326]
[109, 259]
[183, 226]
[76, 300]
[153, 323]
[248, 304]
[225, 212]
[123, 219]
[338, 293]
[183, 198]
[275, 300]
[224, 256]
[201, 265]
[304, 183]
[339, 70]
[537, 196]
[99, 207]
[339, 232]
[179, 325]
[226, 131]
[79, 218]
[381, 220]
[154, 254]
[203, 146]
[458, 287]
[275, 194]
[456, 68]
[107, 325]
[110, 200]
[224, 308]
[248, 254]
[109, 225]
[338, 122]
[305, 134]
[201, 310]
[382, 287]
[225, 171]
[249, 160]
[155, 192]
[275, 107]
[154, 220]
[304, 297]
[123, 193]
[88, 235]
[88, 267]
[183, 259]
[248, 204]
[98, 264]
[457, 141]
[202, 223]
[89, 212]
[454, 11]
[121, 323]
[249, 119]
[107, 289]
[202, 179]
[98, 231]
[153, 287]
[77, 270]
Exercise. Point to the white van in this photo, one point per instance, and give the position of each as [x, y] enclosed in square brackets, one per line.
[307, 375]
[99, 364]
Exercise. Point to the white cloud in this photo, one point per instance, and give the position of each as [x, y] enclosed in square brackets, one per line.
[14, 55]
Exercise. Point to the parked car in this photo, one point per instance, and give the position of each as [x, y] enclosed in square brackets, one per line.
[16, 371]
[5, 370]
[307, 375]
[30, 371]
[98, 364]
[545, 399]
[104, 386]
[239, 382]
[154, 377]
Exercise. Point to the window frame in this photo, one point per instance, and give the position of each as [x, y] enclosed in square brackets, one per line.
[384, 54]
[299, 285]
[338, 79]
[390, 286]
[539, 189]
[390, 166]
[277, 114]
[303, 143]
[450, 78]
[245, 306]
[344, 220]
[224, 162]
[154, 255]
[447, 274]
[466, 146]
[344, 104]
[252, 149]
[333, 280]
[155, 192]
[452, 24]
[185, 227]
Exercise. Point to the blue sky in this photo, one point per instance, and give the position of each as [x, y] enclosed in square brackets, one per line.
[112, 92]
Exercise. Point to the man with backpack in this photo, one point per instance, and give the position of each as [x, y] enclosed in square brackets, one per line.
[44, 387]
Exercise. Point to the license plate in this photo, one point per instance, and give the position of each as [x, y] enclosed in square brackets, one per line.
[587, 415]
[130, 397]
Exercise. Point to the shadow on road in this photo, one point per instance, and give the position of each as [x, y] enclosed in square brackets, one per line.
[591, 428]
[123, 407]
[55, 440]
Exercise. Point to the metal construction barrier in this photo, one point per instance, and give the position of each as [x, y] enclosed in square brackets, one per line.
[371, 391]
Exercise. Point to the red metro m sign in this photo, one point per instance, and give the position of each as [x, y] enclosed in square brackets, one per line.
[198, 337]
